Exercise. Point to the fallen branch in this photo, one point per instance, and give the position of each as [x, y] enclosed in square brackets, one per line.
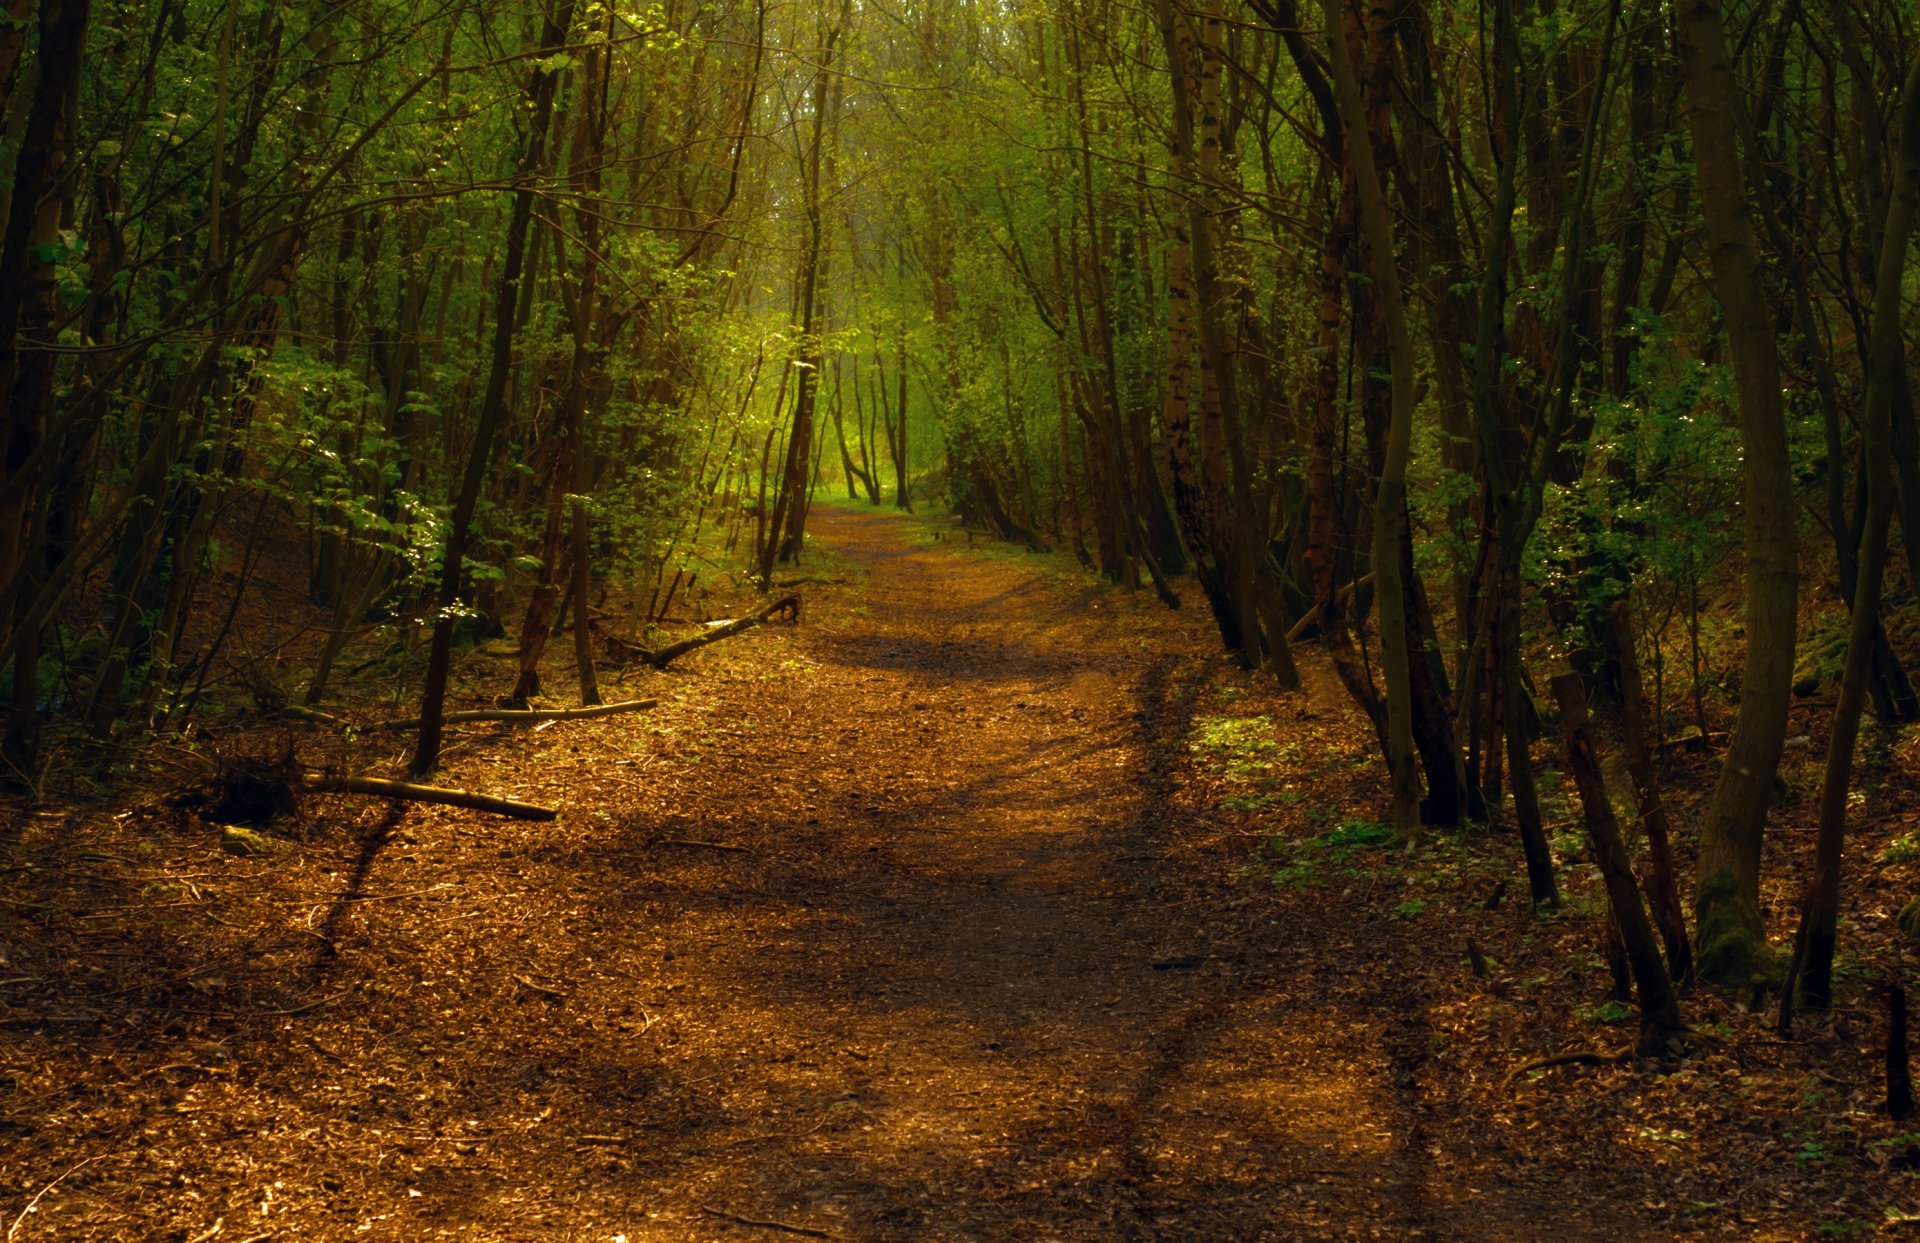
[694, 841]
[407, 791]
[539, 988]
[788, 1227]
[527, 716]
[1694, 741]
[33, 1205]
[1312, 616]
[1582, 1058]
[789, 605]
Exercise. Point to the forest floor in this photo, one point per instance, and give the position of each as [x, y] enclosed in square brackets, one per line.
[983, 903]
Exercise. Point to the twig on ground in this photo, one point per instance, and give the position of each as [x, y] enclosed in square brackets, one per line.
[307, 1008]
[527, 716]
[539, 988]
[755, 1139]
[34, 1204]
[367, 897]
[1583, 1057]
[788, 1227]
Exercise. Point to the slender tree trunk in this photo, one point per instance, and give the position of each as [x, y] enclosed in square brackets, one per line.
[902, 490]
[1390, 499]
[790, 506]
[540, 92]
[1729, 938]
[28, 311]
[1813, 948]
[1192, 500]
[1660, 1026]
[1663, 889]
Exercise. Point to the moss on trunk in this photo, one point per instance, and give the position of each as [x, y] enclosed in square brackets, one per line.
[1730, 944]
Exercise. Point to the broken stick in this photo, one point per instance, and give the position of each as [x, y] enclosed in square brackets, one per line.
[409, 792]
[765, 1223]
[789, 605]
[527, 716]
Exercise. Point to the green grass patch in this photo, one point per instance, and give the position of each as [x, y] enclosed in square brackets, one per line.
[1350, 850]
[1902, 849]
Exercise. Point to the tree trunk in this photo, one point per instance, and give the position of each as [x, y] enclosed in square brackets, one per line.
[1813, 947]
[790, 505]
[540, 91]
[1729, 939]
[1663, 890]
[28, 313]
[1390, 499]
[1660, 1026]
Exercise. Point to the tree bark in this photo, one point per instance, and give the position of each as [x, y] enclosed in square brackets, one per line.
[1663, 890]
[1660, 1026]
[1390, 498]
[1814, 944]
[28, 313]
[1729, 937]
[790, 506]
[540, 92]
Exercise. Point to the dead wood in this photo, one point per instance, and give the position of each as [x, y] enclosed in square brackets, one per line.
[537, 987]
[790, 605]
[527, 716]
[254, 789]
[765, 1224]
[409, 792]
[1583, 1057]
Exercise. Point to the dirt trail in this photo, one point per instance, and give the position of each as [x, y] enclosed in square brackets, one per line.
[980, 1001]
[885, 927]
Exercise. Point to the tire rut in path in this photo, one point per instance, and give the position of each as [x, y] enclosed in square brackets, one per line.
[983, 998]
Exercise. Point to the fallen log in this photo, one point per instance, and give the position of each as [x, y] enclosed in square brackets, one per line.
[665, 656]
[528, 716]
[407, 791]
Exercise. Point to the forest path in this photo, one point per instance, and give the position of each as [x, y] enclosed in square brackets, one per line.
[889, 925]
[968, 1001]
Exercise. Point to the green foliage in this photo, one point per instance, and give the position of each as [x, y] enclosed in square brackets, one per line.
[1240, 746]
[1903, 849]
[1610, 1012]
[1355, 834]
[1812, 1152]
[1909, 918]
[1350, 850]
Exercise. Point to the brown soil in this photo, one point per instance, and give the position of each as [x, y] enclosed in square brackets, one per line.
[917, 920]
